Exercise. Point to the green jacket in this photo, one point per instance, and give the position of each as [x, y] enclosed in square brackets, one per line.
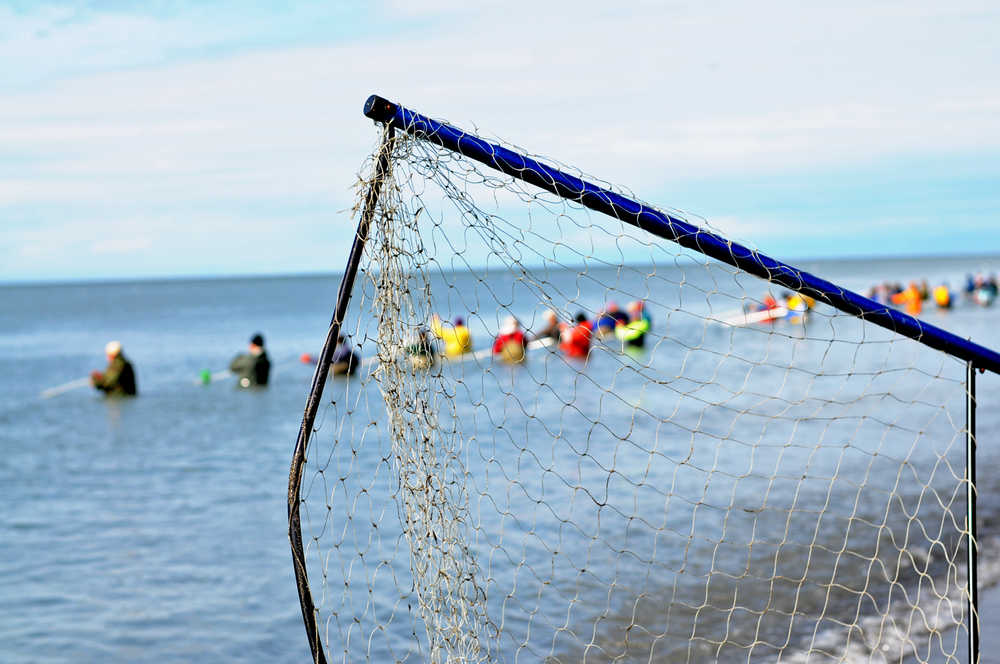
[118, 379]
[252, 369]
[634, 333]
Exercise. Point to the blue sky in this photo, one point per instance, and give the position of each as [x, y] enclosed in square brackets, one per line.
[211, 138]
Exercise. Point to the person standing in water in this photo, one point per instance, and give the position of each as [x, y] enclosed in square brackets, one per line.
[345, 360]
[634, 332]
[456, 337]
[910, 299]
[118, 379]
[609, 319]
[942, 296]
[253, 367]
[510, 342]
[420, 349]
[551, 330]
[575, 339]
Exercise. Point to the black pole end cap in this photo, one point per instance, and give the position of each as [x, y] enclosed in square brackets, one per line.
[379, 109]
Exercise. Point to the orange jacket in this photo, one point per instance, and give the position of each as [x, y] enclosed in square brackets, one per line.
[910, 299]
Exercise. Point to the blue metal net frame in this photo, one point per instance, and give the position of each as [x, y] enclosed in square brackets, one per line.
[395, 117]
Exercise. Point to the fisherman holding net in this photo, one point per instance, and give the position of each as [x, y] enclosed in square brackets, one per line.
[118, 379]
[253, 367]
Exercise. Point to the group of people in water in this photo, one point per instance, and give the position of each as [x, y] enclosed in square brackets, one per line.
[979, 289]
[793, 306]
[512, 342]
[252, 369]
[510, 345]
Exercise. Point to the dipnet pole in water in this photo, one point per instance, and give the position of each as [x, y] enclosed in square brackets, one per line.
[970, 498]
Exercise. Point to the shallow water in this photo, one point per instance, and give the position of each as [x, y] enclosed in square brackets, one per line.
[660, 501]
[155, 528]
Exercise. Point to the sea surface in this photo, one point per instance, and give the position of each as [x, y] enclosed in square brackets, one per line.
[154, 529]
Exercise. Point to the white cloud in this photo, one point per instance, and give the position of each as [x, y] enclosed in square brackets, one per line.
[639, 96]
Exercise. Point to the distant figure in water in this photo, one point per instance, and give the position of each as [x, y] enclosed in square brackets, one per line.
[942, 296]
[768, 303]
[609, 319]
[253, 367]
[551, 329]
[575, 339]
[118, 379]
[633, 333]
[420, 349]
[985, 290]
[910, 298]
[509, 344]
[798, 306]
[345, 361]
[970, 286]
[457, 338]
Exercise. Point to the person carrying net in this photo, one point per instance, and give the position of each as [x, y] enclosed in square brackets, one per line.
[118, 379]
[253, 367]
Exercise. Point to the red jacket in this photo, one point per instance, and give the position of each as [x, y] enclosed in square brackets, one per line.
[502, 339]
[576, 339]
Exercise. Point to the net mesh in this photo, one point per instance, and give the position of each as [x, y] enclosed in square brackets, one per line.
[702, 483]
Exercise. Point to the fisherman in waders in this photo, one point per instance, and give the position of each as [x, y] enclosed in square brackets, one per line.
[118, 379]
[253, 368]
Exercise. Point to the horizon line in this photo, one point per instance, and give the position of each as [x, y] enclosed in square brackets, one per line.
[85, 281]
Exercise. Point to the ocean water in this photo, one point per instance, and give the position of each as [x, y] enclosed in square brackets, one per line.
[154, 529]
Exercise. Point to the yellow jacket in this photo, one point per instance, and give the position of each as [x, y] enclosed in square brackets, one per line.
[456, 338]
[942, 297]
[799, 302]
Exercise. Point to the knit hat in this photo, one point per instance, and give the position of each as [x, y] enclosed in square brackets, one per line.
[509, 326]
[257, 340]
[113, 348]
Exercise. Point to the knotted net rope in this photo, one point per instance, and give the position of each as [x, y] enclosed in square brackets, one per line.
[731, 490]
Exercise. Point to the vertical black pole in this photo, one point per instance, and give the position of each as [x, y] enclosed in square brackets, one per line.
[316, 396]
[970, 499]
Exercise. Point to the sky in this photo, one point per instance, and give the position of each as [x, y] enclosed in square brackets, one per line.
[163, 139]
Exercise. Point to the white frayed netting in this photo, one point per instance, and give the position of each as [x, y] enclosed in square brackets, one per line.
[733, 489]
